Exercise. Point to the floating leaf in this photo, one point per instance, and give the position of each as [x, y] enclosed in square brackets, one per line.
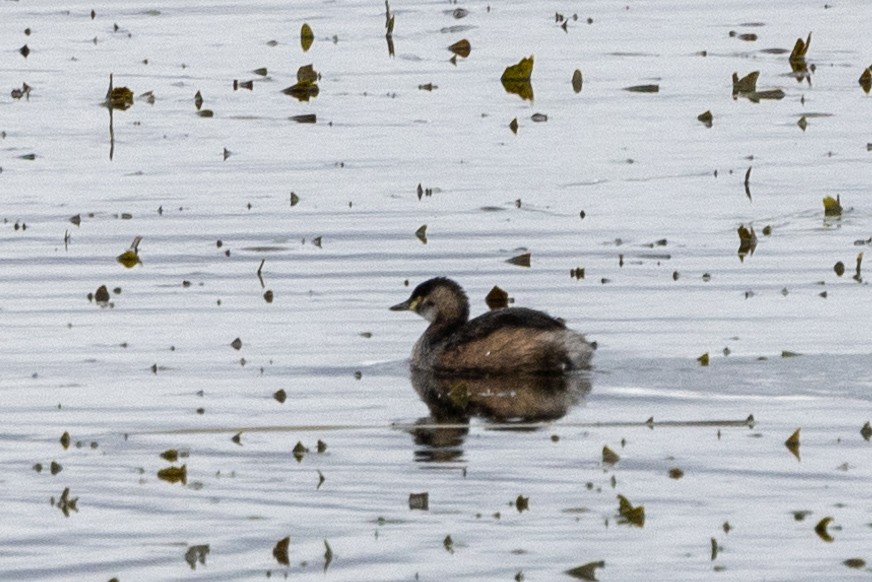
[280, 551]
[421, 233]
[120, 98]
[747, 84]
[653, 88]
[706, 118]
[419, 501]
[461, 48]
[610, 457]
[866, 80]
[516, 78]
[797, 55]
[102, 294]
[174, 474]
[802, 123]
[521, 71]
[832, 206]
[821, 529]
[703, 359]
[577, 81]
[448, 544]
[586, 571]
[522, 260]
[299, 451]
[196, 554]
[747, 241]
[307, 37]
[629, 514]
[792, 444]
[307, 74]
[497, 298]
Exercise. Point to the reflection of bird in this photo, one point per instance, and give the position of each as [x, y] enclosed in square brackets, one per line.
[506, 341]
[130, 257]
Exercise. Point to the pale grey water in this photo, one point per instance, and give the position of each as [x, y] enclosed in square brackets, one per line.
[640, 166]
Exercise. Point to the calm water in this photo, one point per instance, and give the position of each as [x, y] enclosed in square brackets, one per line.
[629, 186]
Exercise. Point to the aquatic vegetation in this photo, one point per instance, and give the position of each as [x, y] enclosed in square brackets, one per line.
[792, 443]
[577, 81]
[280, 551]
[630, 514]
[461, 48]
[307, 37]
[516, 78]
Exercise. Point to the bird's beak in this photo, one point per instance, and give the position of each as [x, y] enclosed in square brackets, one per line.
[407, 305]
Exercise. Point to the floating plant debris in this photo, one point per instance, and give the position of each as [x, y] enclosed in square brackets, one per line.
[237, 438]
[421, 233]
[703, 359]
[855, 563]
[832, 206]
[196, 554]
[307, 37]
[839, 268]
[170, 455]
[539, 117]
[651, 88]
[577, 81]
[676, 473]
[857, 277]
[461, 48]
[130, 257]
[261, 71]
[299, 451]
[797, 55]
[522, 503]
[328, 555]
[629, 514]
[497, 298]
[448, 544]
[586, 571]
[516, 78]
[101, 295]
[65, 440]
[198, 100]
[118, 97]
[866, 431]
[24, 51]
[821, 529]
[802, 123]
[748, 187]
[610, 457]
[280, 396]
[280, 551]
[792, 444]
[174, 474]
[866, 80]
[66, 503]
[306, 86]
[307, 74]
[419, 501]
[705, 118]
[236, 344]
[514, 125]
[243, 85]
[522, 260]
[206, 113]
[747, 241]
